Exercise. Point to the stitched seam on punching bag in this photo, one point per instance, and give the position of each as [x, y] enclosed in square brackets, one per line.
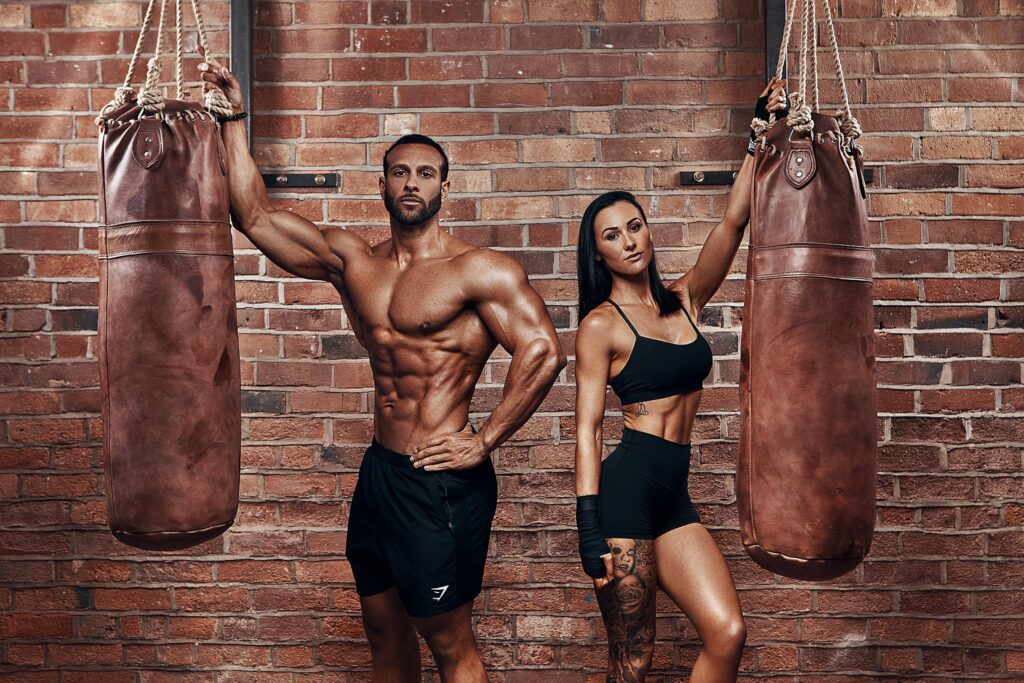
[110, 257]
[182, 221]
[789, 245]
[776, 276]
[750, 416]
[190, 532]
[112, 522]
[749, 321]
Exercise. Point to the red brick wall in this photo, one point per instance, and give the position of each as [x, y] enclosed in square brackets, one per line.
[542, 104]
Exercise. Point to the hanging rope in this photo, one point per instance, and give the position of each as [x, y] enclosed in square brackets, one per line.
[214, 99]
[760, 126]
[814, 53]
[123, 94]
[179, 56]
[151, 97]
[799, 117]
[848, 123]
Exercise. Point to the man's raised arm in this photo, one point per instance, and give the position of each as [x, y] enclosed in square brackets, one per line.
[292, 242]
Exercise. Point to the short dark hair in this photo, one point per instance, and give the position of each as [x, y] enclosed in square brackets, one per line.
[417, 139]
[593, 277]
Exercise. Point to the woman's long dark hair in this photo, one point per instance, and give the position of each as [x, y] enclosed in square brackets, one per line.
[595, 281]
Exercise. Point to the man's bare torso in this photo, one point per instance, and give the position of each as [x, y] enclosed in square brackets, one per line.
[426, 342]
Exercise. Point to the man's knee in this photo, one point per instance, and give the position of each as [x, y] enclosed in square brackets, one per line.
[449, 645]
[388, 627]
[449, 637]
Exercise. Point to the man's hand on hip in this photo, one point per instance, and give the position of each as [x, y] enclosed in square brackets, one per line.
[455, 451]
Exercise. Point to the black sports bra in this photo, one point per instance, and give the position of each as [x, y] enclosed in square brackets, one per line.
[658, 368]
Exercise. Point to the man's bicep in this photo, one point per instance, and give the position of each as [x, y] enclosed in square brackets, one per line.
[299, 246]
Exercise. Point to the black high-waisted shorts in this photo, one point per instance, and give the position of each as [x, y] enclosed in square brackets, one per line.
[643, 491]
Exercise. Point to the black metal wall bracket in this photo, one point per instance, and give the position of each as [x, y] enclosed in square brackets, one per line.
[691, 178]
[282, 180]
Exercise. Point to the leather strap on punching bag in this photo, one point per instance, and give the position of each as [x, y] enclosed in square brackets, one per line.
[169, 369]
[807, 459]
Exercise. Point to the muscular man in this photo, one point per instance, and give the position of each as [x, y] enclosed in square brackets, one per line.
[430, 309]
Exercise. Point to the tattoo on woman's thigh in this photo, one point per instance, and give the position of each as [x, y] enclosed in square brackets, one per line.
[628, 609]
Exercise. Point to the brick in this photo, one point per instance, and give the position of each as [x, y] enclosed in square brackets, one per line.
[988, 205]
[105, 15]
[443, 68]
[534, 123]
[342, 125]
[586, 93]
[357, 97]
[76, 211]
[430, 96]
[698, 65]
[666, 10]
[522, 66]
[338, 12]
[451, 11]
[456, 123]
[330, 40]
[545, 38]
[629, 36]
[919, 8]
[922, 176]
[22, 154]
[904, 90]
[83, 43]
[996, 175]
[558, 150]
[470, 39]
[938, 32]
[956, 147]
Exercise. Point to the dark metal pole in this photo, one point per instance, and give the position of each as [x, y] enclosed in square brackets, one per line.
[774, 26]
[241, 53]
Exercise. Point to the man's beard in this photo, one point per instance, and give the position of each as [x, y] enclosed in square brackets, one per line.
[417, 216]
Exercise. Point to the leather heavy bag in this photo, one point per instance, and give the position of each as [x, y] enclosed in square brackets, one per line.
[807, 460]
[169, 369]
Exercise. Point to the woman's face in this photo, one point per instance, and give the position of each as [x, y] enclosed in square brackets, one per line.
[623, 239]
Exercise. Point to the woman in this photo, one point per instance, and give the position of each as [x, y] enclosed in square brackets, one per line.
[641, 337]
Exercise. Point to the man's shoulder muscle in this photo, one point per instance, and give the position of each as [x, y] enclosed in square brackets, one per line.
[488, 273]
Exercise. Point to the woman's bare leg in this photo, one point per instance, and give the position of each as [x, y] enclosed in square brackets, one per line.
[693, 572]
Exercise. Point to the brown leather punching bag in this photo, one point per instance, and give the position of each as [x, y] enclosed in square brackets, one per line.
[169, 370]
[807, 461]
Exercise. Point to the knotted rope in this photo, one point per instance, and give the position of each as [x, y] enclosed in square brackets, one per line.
[214, 99]
[760, 126]
[800, 106]
[150, 97]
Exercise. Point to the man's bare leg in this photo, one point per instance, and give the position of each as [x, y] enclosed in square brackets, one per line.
[394, 649]
[450, 639]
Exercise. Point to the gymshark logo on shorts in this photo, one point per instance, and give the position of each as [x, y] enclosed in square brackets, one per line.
[439, 592]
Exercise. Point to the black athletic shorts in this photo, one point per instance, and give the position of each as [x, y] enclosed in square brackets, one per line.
[643, 491]
[425, 533]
